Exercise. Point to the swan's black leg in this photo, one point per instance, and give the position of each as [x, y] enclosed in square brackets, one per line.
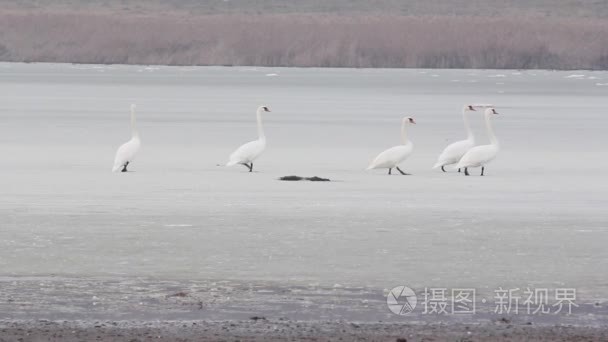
[246, 165]
[442, 169]
[251, 167]
[466, 171]
[389, 170]
[124, 168]
[482, 169]
[403, 173]
[458, 169]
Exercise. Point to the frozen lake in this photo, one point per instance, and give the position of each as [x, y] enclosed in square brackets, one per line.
[537, 219]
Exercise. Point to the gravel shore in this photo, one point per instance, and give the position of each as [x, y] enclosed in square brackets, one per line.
[77, 309]
[259, 329]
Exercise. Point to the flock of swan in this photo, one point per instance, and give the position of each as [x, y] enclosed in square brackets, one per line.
[461, 154]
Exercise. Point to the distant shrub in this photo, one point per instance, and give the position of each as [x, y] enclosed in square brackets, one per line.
[3, 51]
[306, 40]
[601, 62]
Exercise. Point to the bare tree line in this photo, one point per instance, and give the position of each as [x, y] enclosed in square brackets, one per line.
[306, 40]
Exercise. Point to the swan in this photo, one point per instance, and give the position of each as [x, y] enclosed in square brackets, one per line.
[126, 153]
[247, 153]
[453, 152]
[483, 154]
[393, 156]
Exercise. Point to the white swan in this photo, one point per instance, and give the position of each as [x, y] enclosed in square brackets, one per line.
[453, 152]
[126, 153]
[247, 153]
[483, 154]
[393, 156]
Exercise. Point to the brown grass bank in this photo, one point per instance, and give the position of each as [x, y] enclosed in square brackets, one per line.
[305, 40]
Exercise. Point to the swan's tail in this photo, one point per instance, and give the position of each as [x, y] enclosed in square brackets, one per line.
[115, 168]
[438, 164]
[232, 162]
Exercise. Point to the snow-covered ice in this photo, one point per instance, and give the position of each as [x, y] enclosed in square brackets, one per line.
[538, 217]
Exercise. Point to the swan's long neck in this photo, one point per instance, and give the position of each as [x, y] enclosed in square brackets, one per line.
[134, 132]
[467, 125]
[261, 135]
[404, 133]
[490, 130]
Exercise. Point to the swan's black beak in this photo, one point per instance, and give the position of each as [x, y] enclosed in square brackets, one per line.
[266, 109]
[494, 112]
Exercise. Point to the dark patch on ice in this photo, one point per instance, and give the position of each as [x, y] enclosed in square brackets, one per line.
[318, 179]
[298, 178]
[504, 320]
[291, 178]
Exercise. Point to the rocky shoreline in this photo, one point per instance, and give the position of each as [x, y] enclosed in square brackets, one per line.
[260, 329]
[79, 309]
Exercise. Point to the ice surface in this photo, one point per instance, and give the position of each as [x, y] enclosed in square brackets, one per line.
[537, 219]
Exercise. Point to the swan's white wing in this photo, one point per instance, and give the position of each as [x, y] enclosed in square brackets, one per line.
[453, 153]
[391, 157]
[478, 156]
[126, 153]
[247, 153]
